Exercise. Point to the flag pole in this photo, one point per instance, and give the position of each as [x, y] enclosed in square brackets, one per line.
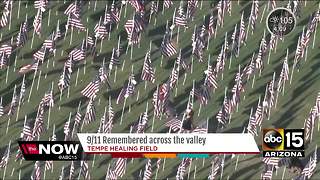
[18, 15]
[154, 114]
[70, 42]
[5, 167]
[32, 39]
[39, 80]
[122, 113]
[77, 77]
[263, 13]
[125, 10]
[7, 74]
[49, 17]
[49, 111]
[195, 171]
[10, 16]
[115, 74]
[34, 76]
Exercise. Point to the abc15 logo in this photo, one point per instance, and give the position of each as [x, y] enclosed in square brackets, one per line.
[282, 139]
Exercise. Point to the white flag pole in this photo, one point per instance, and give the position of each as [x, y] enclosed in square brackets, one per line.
[18, 15]
[39, 80]
[49, 17]
[34, 76]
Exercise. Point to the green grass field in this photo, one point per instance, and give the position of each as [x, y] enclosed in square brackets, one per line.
[292, 108]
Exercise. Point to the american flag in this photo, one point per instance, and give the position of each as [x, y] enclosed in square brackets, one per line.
[61, 177]
[37, 22]
[111, 16]
[198, 43]
[202, 94]
[36, 175]
[167, 3]
[182, 168]
[57, 33]
[310, 168]
[142, 123]
[127, 90]
[103, 75]
[174, 124]
[49, 164]
[1, 108]
[252, 127]
[192, 7]
[148, 170]
[173, 79]
[133, 28]
[235, 46]
[317, 106]
[158, 108]
[26, 134]
[211, 78]
[120, 167]
[212, 26]
[242, 30]
[284, 74]
[41, 5]
[23, 34]
[74, 21]
[3, 60]
[72, 170]
[137, 5]
[148, 73]
[47, 99]
[91, 90]
[309, 124]
[168, 48]
[85, 170]
[14, 102]
[5, 157]
[29, 67]
[273, 161]
[224, 113]
[74, 9]
[77, 54]
[227, 6]
[6, 50]
[267, 175]
[40, 55]
[66, 130]
[49, 43]
[154, 7]
[114, 59]
[64, 81]
[111, 175]
[261, 53]
[215, 168]
[90, 114]
[258, 115]
[77, 122]
[107, 120]
[221, 59]
[180, 18]
[236, 90]
[254, 14]
[5, 14]
[39, 123]
[90, 45]
[100, 31]
[220, 12]
[250, 67]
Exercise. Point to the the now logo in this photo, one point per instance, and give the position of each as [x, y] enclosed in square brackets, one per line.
[58, 148]
[51, 150]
